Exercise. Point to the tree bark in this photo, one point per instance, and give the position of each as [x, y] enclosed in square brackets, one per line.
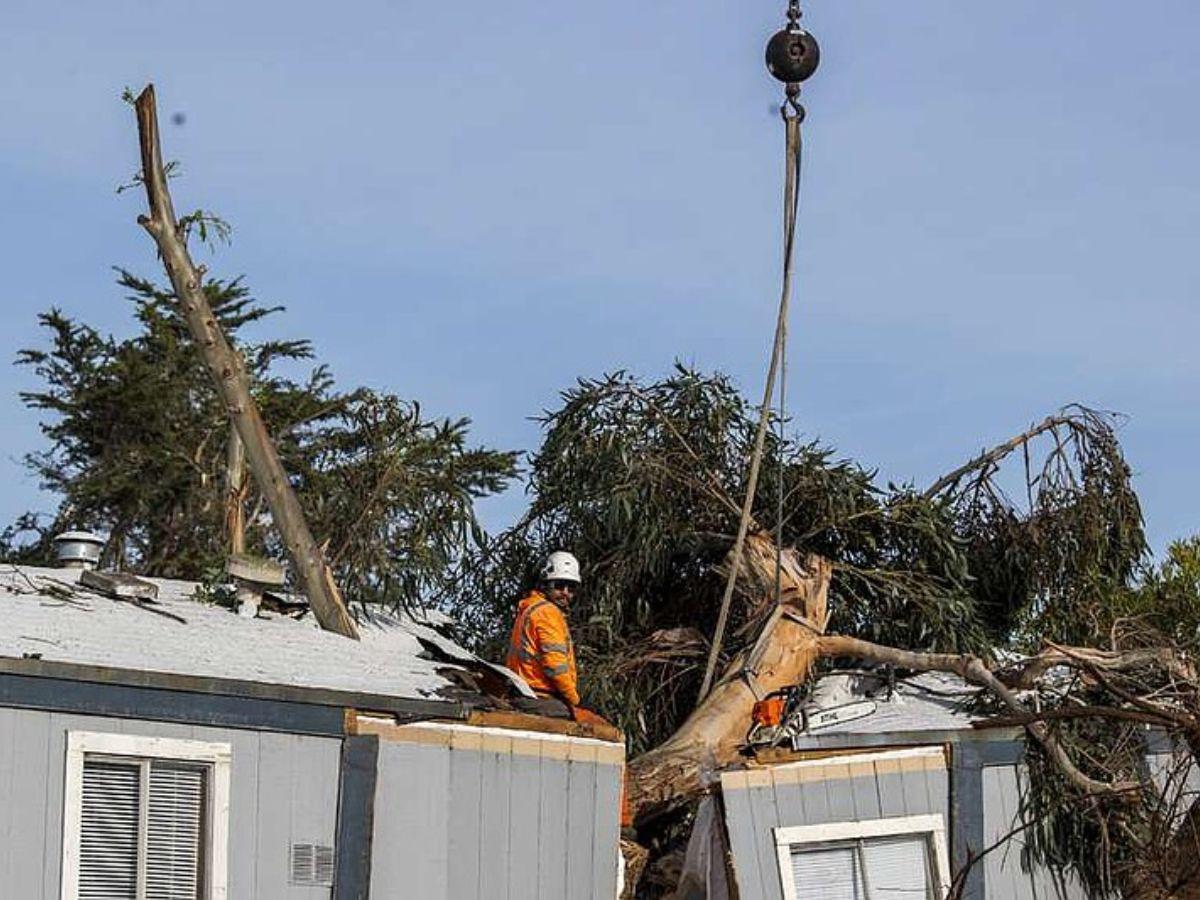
[232, 383]
[673, 773]
[971, 668]
[235, 493]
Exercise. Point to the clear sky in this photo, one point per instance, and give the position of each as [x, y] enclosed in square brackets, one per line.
[473, 204]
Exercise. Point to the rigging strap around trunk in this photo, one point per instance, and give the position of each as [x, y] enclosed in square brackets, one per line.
[793, 115]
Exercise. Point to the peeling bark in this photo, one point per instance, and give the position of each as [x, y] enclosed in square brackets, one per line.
[675, 772]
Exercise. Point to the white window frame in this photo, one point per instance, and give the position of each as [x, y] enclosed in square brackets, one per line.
[218, 757]
[932, 826]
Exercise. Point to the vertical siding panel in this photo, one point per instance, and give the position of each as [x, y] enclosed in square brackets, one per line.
[766, 819]
[789, 801]
[739, 823]
[495, 824]
[815, 800]
[243, 812]
[1012, 816]
[466, 795]
[892, 803]
[939, 790]
[915, 793]
[410, 852]
[1002, 867]
[8, 777]
[275, 822]
[525, 791]
[581, 818]
[34, 870]
[552, 825]
[841, 796]
[316, 768]
[865, 793]
[995, 783]
[606, 837]
[1044, 885]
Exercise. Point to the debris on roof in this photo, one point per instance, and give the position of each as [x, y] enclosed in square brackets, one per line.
[928, 701]
[52, 615]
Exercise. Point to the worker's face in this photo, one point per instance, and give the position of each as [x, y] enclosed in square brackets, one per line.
[560, 592]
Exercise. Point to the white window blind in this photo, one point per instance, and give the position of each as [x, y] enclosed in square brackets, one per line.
[141, 830]
[109, 826]
[898, 868]
[175, 832]
[891, 868]
[830, 873]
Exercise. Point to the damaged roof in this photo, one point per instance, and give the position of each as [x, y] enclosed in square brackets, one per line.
[927, 706]
[47, 615]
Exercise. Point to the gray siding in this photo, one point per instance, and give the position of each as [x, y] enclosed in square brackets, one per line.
[759, 801]
[283, 790]
[1005, 873]
[490, 816]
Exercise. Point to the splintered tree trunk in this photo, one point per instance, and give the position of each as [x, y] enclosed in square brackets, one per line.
[229, 374]
[235, 493]
[675, 772]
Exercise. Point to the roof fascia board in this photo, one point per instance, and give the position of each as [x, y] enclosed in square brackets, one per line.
[847, 741]
[157, 705]
[232, 688]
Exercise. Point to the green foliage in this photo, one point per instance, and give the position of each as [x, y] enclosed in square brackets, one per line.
[1048, 561]
[1164, 607]
[209, 227]
[137, 440]
[1115, 843]
[643, 481]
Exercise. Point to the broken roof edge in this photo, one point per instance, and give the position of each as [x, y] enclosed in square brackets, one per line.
[408, 707]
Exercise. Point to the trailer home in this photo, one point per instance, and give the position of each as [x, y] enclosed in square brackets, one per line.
[158, 745]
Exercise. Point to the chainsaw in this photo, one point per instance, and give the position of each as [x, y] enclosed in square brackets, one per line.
[782, 717]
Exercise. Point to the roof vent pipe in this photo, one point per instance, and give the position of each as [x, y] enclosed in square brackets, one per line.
[78, 549]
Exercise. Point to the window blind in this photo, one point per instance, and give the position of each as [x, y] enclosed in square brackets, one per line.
[892, 868]
[828, 873]
[898, 867]
[108, 845]
[174, 830]
[142, 830]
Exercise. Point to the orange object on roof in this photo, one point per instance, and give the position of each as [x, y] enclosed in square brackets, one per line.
[540, 649]
[769, 712]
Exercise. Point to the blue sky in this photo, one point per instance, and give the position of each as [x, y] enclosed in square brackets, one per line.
[473, 204]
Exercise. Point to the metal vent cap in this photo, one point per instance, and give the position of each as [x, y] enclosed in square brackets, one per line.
[78, 549]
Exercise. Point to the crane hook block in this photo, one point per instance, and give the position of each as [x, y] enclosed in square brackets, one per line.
[793, 55]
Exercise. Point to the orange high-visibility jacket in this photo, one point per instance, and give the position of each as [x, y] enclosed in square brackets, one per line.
[540, 650]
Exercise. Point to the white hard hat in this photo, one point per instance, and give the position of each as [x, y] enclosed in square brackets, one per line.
[561, 566]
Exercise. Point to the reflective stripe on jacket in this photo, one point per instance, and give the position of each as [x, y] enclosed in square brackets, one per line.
[540, 650]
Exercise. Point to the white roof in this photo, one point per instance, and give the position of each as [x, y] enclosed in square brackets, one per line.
[45, 614]
[930, 701]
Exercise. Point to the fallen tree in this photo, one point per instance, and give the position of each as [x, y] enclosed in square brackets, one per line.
[1085, 711]
[1034, 544]
[787, 648]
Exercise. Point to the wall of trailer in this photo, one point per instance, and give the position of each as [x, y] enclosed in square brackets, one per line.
[467, 813]
[284, 791]
[975, 787]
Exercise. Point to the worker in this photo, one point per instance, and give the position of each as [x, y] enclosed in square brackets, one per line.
[540, 650]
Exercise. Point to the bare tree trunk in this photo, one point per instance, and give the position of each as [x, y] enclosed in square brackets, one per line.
[229, 373]
[675, 772]
[235, 493]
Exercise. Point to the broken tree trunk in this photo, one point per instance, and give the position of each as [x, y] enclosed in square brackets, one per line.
[235, 493]
[673, 773]
[229, 374]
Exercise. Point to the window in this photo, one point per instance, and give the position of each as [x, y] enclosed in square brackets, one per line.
[880, 859]
[145, 818]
